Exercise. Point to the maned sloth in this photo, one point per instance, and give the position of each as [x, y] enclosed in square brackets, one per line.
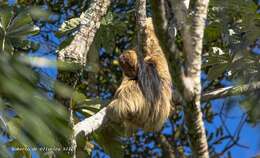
[143, 100]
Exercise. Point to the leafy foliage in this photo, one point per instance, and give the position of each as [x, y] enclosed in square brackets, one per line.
[231, 36]
[15, 26]
[32, 119]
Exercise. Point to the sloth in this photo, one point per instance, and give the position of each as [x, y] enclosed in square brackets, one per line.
[143, 99]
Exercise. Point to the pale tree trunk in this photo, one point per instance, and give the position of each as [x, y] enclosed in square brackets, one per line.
[76, 53]
[192, 110]
[190, 74]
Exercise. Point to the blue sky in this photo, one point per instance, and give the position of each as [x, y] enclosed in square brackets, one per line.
[249, 135]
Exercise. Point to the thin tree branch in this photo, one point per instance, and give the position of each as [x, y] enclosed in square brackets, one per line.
[167, 148]
[231, 91]
[234, 138]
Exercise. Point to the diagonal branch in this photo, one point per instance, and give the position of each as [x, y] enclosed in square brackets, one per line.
[231, 91]
[90, 22]
[92, 123]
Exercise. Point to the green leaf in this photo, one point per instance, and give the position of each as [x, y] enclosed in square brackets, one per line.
[6, 15]
[23, 18]
[105, 38]
[217, 71]
[87, 112]
[108, 19]
[13, 34]
[89, 107]
[23, 31]
[25, 45]
[63, 90]
[212, 32]
[93, 64]
[68, 26]
[78, 97]
[213, 60]
[8, 47]
[108, 139]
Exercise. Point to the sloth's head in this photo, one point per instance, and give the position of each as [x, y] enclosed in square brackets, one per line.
[128, 63]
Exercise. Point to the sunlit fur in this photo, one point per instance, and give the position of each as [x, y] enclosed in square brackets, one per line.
[144, 101]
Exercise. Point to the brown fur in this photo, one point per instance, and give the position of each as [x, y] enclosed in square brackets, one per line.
[128, 63]
[143, 100]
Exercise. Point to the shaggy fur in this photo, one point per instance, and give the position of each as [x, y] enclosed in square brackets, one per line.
[143, 100]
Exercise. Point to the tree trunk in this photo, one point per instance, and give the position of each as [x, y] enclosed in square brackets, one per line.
[190, 74]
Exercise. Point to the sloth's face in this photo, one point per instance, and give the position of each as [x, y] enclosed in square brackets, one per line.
[128, 63]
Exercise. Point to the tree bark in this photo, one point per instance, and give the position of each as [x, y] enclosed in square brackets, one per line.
[141, 22]
[192, 82]
[92, 123]
[90, 22]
